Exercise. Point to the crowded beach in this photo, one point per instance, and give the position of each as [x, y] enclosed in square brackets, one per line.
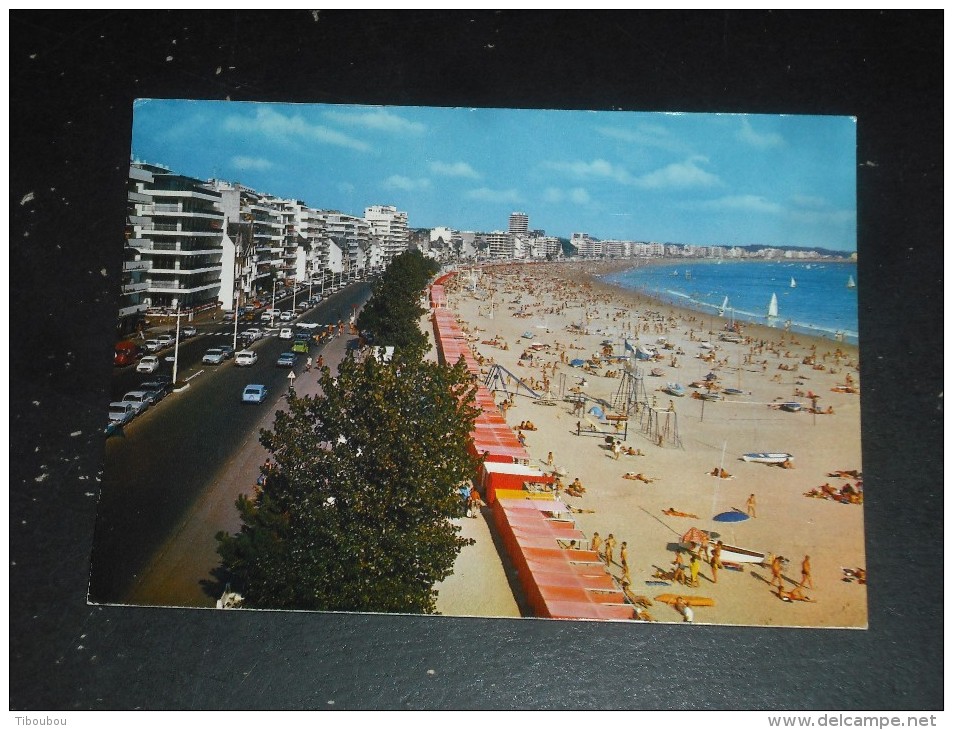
[700, 474]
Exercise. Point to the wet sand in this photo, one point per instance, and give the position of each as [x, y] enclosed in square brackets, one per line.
[570, 312]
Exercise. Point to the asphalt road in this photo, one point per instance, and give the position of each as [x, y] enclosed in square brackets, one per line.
[164, 459]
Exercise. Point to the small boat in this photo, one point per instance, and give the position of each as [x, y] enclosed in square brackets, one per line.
[731, 337]
[723, 308]
[710, 396]
[674, 389]
[793, 283]
[850, 282]
[790, 407]
[733, 391]
[768, 457]
[735, 554]
[773, 306]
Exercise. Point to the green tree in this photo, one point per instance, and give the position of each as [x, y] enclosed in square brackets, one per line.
[393, 312]
[356, 516]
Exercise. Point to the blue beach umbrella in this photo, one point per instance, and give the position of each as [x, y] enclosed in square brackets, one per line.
[731, 516]
[577, 363]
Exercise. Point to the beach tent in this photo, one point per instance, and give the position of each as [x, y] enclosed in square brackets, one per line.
[597, 412]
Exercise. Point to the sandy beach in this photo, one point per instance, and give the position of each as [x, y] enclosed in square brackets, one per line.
[533, 320]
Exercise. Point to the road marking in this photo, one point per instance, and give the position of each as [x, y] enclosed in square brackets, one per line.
[194, 376]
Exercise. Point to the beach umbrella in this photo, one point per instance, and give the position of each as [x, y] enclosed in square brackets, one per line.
[597, 412]
[731, 516]
[577, 363]
[695, 535]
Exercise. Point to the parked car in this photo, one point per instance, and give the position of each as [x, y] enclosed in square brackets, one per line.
[302, 306]
[188, 331]
[285, 333]
[287, 360]
[228, 350]
[151, 345]
[148, 364]
[245, 358]
[126, 353]
[138, 405]
[159, 389]
[286, 316]
[121, 412]
[143, 397]
[254, 393]
[165, 340]
[215, 356]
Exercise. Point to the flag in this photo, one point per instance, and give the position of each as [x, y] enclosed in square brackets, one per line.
[628, 347]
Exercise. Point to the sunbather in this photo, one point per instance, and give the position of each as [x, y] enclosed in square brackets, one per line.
[672, 512]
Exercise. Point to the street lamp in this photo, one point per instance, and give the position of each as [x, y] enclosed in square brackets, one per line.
[274, 288]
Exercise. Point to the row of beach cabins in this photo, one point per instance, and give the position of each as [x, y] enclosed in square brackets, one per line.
[559, 575]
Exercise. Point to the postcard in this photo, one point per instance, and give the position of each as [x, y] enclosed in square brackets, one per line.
[507, 363]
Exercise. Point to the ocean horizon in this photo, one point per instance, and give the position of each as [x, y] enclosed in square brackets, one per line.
[813, 297]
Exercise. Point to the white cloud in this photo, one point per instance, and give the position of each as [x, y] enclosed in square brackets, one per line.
[598, 168]
[579, 196]
[678, 175]
[755, 139]
[453, 169]
[241, 162]
[379, 120]
[273, 125]
[494, 196]
[808, 201]
[750, 203]
[645, 135]
[399, 182]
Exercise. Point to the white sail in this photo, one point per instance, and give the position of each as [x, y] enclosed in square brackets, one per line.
[773, 306]
[850, 282]
[793, 283]
[724, 307]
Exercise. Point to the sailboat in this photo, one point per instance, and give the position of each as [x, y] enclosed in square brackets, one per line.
[773, 306]
[850, 282]
[723, 307]
[793, 283]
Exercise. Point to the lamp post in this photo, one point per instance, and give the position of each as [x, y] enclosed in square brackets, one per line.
[274, 288]
[175, 356]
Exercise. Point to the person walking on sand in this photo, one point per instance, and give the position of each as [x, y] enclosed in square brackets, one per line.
[550, 460]
[595, 543]
[610, 548]
[776, 576]
[806, 580]
[751, 506]
[694, 565]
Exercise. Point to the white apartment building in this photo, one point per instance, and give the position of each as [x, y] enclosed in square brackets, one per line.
[500, 245]
[390, 226]
[133, 294]
[586, 246]
[179, 236]
[519, 224]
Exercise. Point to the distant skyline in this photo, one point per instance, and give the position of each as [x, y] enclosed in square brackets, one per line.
[703, 179]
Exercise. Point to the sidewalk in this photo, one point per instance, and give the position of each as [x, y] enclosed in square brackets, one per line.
[182, 573]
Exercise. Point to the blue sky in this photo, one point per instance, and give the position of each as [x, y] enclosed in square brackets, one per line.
[703, 179]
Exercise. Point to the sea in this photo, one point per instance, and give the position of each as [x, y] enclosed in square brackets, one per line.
[812, 297]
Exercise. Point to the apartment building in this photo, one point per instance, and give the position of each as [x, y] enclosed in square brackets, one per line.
[133, 298]
[178, 234]
[519, 224]
[390, 226]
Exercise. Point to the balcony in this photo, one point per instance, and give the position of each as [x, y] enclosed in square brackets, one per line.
[133, 309]
[135, 287]
[135, 265]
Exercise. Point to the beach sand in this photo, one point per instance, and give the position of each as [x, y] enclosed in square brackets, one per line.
[569, 312]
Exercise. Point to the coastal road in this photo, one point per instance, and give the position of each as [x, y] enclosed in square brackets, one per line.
[167, 457]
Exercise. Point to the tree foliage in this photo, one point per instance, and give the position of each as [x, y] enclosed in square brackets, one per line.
[392, 314]
[356, 516]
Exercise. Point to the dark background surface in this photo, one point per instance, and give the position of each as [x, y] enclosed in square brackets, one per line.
[73, 78]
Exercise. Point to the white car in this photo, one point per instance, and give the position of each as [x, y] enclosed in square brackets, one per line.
[253, 334]
[254, 393]
[286, 316]
[285, 333]
[215, 356]
[121, 412]
[138, 403]
[141, 397]
[245, 358]
[151, 346]
[166, 340]
[148, 364]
